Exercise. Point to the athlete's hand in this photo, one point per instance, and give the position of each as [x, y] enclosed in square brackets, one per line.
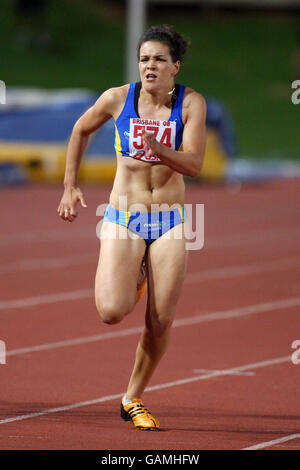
[151, 145]
[67, 206]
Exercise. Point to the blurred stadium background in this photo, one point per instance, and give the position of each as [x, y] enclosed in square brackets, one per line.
[57, 57]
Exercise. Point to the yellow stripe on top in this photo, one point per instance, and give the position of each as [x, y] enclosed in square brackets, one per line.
[181, 213]
[118, 146]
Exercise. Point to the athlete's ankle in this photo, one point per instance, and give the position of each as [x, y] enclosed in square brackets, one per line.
[126, 400]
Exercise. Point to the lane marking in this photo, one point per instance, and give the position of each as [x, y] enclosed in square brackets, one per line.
[237, 372]
[239, 270]
[191, 277]
[255, 365]
[273, 442]
[76, 341]
[202, 318]
[46, 263]
[257, 236]
[46, 299]
[210, 274]
[50, 235]
[89, 232]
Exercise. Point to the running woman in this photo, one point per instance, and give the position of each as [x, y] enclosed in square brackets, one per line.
[160, 137]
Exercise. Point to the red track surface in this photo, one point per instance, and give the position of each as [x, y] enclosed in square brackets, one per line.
[250, 258]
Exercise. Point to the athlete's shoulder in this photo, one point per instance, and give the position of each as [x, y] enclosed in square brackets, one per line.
[193, 104]
[114, 95]
[192, 96]
[112, 99]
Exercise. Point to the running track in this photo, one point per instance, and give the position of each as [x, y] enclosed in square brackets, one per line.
[227, 380]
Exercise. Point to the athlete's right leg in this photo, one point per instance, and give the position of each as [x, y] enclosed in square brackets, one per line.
[117, 272]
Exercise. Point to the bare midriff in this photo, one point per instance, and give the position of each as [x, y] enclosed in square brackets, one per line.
[146, 184]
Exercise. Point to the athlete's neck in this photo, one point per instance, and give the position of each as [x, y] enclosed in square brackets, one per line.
[161, 97]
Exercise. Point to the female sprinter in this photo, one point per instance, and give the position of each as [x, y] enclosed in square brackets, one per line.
[160, 137]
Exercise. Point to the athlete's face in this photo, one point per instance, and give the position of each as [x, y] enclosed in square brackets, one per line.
[157, 68]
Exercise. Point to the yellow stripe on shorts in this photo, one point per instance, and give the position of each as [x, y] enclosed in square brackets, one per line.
[181, 213]
[127, 217]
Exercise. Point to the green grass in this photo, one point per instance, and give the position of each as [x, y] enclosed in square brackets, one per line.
[244, 61]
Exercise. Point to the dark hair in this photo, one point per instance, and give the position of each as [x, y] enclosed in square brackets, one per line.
[166, 34]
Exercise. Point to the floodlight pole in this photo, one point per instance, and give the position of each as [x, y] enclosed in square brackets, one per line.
[135, 25]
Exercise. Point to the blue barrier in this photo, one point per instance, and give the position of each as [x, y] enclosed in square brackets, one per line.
[53, 123]
[12, 174]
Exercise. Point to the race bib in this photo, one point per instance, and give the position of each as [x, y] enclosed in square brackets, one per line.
[164, 131]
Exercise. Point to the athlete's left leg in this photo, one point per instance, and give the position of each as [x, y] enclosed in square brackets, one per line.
[166, 260]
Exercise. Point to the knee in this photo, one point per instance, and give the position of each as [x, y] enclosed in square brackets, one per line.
[110, 317]
[161, 324]
[112, 312]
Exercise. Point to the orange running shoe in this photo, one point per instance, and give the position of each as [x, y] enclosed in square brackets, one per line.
[136, 412]
[142, 281]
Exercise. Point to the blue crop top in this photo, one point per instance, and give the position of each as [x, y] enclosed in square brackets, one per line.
[129, 126]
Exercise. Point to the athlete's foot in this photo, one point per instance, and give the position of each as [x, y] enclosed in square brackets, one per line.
[141, 418]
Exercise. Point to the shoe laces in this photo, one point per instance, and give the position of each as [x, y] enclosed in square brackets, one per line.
[137, 409]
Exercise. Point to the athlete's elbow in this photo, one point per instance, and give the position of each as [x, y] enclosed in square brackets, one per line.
[191, 173]
[78, 129]
[195, 168]
[195, 172]
[83, 127]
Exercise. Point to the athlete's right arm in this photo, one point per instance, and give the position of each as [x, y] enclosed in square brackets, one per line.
[105, 107]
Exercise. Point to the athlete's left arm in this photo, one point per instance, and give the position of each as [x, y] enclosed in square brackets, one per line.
[189, 161]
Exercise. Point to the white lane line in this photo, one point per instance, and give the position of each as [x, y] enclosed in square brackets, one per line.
[237, 372]
[198, 276]
[278, 234]
[255, 365]
[89, 232]
[202, 318]
[62, 408]
[50, 235]
[31, 264]
[246, 269]
[263, 445]
[241, 311]
[76, 341]
[209, 274]
[46, 299]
